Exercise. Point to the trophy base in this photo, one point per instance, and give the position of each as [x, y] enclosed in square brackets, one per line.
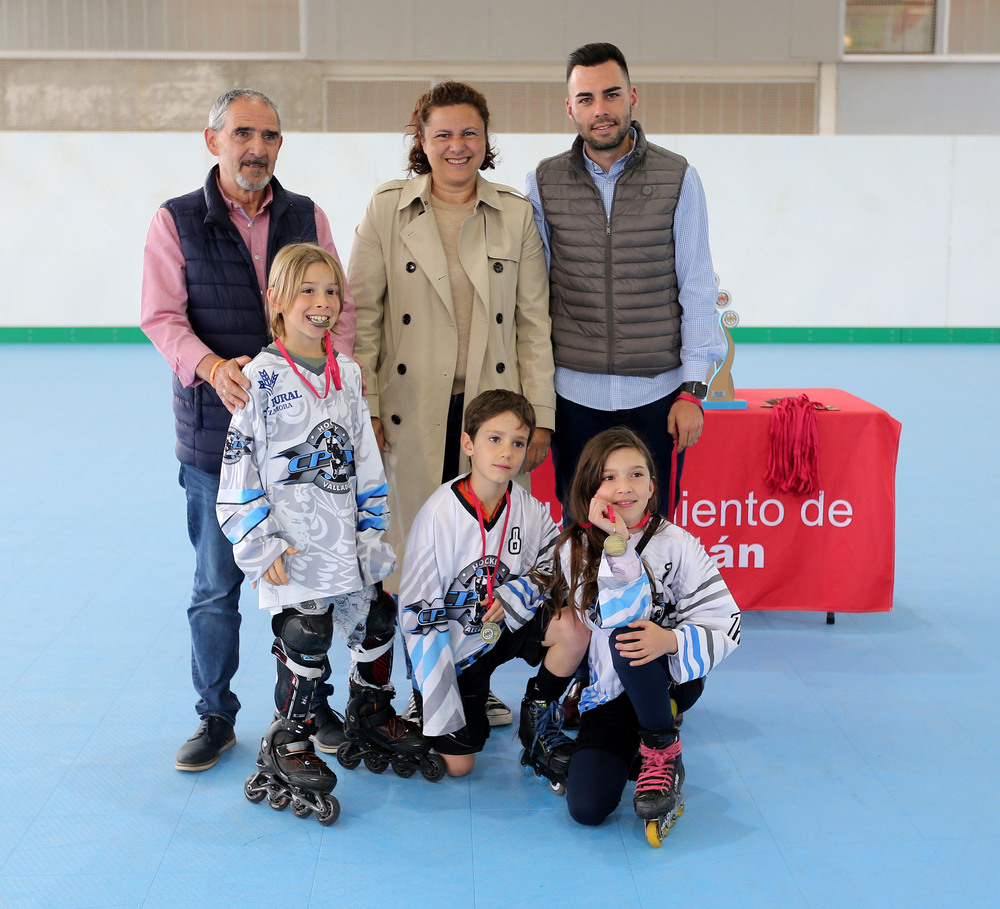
[724, 405]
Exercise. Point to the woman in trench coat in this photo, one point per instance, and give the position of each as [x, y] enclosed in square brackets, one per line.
[451, 289]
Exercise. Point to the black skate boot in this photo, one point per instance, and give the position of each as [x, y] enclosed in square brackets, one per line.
[547, 749]
[376, 735]
[659, 795]
[291, 772]
[326, 728]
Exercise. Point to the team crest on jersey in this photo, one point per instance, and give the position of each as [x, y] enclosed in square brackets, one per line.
[325, 458]
[267, 380]
[474, 578]
[237, 445]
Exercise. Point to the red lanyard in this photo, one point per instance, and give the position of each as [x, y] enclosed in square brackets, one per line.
[331, 370]
[490, 578]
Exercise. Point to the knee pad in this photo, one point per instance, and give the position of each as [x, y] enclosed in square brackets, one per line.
[381, 623]
[306, 634]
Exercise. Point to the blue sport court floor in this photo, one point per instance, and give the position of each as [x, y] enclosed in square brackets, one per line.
[852, 765]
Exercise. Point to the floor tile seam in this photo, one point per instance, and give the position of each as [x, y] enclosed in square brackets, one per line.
[628, 860]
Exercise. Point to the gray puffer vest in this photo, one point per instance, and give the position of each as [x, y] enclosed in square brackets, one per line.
[613, 288]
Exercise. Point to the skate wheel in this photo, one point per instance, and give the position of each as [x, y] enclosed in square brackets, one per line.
[433, 768]
[330, 811]
[403, 767]
[254, 792]
[347, 756]
[653, 836]
[278, 802]
[376, 762]
[526, 767]
[557, 788]
[301, 809]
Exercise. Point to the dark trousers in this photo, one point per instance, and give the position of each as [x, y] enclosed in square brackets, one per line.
[576, 425]
[609, 735]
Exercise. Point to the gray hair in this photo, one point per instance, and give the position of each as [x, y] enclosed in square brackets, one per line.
[217, 115]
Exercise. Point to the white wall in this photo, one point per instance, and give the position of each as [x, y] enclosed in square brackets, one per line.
[806, 230]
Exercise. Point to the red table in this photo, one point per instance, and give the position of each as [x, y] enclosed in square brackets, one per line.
[832, 552]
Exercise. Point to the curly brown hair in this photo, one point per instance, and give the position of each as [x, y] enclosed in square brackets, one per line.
[445, 94]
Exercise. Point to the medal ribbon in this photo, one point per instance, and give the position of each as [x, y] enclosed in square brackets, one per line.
[332, 371]
[490, 578]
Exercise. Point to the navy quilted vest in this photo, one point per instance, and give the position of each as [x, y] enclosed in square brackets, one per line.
[225, 307]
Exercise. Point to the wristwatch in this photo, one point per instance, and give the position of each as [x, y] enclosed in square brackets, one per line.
[698, 390]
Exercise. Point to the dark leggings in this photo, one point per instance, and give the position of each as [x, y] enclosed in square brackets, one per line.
[609, 734]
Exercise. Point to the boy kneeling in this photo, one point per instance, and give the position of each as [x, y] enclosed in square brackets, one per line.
[468, 602]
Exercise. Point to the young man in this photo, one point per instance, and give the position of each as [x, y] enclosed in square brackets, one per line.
[468, 602]
[632, 288]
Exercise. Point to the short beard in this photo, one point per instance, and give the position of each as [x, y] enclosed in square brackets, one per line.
[610, 142]
[250, 186]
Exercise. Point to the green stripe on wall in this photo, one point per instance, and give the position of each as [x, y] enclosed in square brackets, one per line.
[124, 334]
[87, 334]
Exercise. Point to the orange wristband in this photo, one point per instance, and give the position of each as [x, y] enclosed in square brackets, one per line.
[211, 375]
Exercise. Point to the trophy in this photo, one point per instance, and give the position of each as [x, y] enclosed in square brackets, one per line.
[721, 395]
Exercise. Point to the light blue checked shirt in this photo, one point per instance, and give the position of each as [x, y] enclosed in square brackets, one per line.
[701, 340]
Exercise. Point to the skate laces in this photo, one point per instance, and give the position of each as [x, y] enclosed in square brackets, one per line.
[658, 767]
[548, 726]
[396, 727]
[300, 753]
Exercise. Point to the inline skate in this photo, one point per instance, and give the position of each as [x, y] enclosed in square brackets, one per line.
[377, 736]
[547, 749]
[659, 794]
[290, 772]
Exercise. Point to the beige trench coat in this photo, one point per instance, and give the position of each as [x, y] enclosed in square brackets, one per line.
[406, 338]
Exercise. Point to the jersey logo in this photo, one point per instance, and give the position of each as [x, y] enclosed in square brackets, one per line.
[267, 381]
[474, 577]
[325, 459]
[237, 445]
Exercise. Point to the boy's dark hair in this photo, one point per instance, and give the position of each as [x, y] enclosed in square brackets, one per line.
[595, 55]
[493, 403]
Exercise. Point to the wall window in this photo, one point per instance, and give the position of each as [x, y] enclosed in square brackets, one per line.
[953, 27]
[889, 27]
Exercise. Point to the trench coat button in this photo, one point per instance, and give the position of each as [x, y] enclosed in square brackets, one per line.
[406, 318]
[500, 367]
[498, 267]
[411, 267]
[499, 318]
[395, 419]
[401, 369]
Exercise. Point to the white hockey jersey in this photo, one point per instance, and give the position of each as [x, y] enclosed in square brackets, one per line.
[305, 472]
[689, 596]
[444, 578]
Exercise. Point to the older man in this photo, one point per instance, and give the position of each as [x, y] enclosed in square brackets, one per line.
[204, 286]
[632, 290]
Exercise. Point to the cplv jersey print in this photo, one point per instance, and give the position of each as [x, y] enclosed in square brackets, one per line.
[445, 578]
[304, 472]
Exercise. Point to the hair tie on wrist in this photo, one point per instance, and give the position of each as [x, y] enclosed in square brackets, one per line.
[211, 375]
[684, 396]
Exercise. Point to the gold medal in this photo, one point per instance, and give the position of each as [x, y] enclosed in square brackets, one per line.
[615, 544]
[490, 632]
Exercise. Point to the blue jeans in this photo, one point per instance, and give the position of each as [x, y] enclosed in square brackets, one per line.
[214, 614]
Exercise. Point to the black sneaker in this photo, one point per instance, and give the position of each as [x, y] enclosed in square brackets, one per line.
[328, 732]
[200, 752]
